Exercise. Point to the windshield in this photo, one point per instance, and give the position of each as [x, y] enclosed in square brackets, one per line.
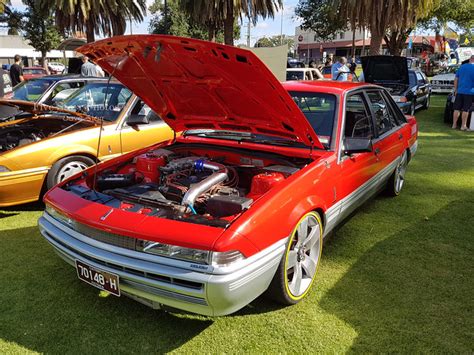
[99, 100]
[32, 89]
[320, 111]
[295, 75]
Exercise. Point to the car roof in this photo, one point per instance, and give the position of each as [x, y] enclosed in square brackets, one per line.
[70, 76]
[329, 86]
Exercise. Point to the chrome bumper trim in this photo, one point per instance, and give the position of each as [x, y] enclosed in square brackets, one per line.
[156, 284]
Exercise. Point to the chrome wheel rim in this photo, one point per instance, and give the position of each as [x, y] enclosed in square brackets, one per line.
[303, 256]
[400, 173]
[428, 102]
[69, 170]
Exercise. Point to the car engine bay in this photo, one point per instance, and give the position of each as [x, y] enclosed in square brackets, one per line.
[197, 186]
[33, 130]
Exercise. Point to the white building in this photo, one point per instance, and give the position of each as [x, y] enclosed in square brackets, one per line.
[12, 45]
[309, 47]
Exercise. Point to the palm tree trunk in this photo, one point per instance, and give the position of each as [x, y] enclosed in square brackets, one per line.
[353, 51]
[375, 42]
[229, 24]
[211, 28]
[90, 31]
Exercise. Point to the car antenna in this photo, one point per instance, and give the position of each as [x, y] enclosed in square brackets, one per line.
[94, 177]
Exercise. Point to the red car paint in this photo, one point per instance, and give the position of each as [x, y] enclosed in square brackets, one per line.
[324, 183]
[33, 72]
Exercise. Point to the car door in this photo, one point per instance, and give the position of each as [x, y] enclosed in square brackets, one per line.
[357, 170]
[141, 135]
[421, 89]
[389, 140]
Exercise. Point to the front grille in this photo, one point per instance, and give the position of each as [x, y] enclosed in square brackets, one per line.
[105, 237]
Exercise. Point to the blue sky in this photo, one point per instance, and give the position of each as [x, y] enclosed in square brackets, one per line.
[267, 27]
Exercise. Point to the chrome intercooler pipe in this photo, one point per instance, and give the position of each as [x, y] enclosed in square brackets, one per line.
[220, 175]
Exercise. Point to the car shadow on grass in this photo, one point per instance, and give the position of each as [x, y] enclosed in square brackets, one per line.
[45, 308]
[413, 292]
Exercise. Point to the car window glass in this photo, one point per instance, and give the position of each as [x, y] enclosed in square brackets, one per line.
[397, 116]
[412, 78]
[143, 109]
[419, 78]
[308, 75]
[384, 120]
[358, 122]
[320, 111]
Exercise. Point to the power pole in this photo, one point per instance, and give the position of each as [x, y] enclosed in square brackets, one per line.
[248, 33]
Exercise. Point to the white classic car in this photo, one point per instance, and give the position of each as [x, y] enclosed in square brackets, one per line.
[443, 83]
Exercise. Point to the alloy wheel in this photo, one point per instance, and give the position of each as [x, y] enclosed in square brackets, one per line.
[303, 256]
[400, 173]
[70, 169]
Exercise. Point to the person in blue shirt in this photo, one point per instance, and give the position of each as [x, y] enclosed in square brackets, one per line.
[339, 70]
[464, 92]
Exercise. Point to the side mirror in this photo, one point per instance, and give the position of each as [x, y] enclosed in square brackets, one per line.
[357, 145]
[135, 120]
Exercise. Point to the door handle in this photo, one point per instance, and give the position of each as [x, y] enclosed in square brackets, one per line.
[377, 151]
[400, 136]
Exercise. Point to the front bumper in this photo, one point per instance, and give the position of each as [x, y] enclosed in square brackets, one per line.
[157, 281]
[23, 186]
[442, 90]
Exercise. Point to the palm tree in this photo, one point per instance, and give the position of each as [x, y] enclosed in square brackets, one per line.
[217, 13]
[3, 5]
[379, 16]
[108, 17]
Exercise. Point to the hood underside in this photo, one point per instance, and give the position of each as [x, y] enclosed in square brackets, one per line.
[40, 109]
[194, 84]
[379, 69]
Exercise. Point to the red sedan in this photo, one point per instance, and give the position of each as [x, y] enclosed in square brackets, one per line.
[241, 201]
[34, 72]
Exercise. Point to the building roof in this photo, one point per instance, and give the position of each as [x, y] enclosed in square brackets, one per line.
[360, 43]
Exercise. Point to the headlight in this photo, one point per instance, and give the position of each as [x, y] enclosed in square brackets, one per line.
[59, 216]
[188, 254]
[399, 98]
[3, 169]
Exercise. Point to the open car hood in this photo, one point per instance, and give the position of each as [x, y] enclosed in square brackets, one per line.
[19, 106]
[379, 69]
[193, 84]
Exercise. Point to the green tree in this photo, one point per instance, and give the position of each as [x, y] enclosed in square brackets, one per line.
[39, 29]
[391, 20]
[12, 20]
[3, 5]
[461, 12]
[275, 41]
[322, 18]
[382, 16]
[107, 17]
[216, 14]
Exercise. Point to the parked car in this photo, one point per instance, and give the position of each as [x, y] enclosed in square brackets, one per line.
[48, 144]
[294, 63]
[56, 67]
[49, 90]
[410, 88]
[34, 72]
[443, 83]
[7, 83]
[303, 74]
[239, 203]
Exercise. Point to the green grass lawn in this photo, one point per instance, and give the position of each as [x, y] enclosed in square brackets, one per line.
[397, 277]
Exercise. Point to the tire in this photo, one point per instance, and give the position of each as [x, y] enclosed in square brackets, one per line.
[67, 167]
[412, 108]
[298, 267]
[397, 179]
[426, 106]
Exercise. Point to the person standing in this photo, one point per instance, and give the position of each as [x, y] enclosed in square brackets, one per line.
[339, 70]
[88, 68]
[353, 65]
[464, 93]
[16, 72]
